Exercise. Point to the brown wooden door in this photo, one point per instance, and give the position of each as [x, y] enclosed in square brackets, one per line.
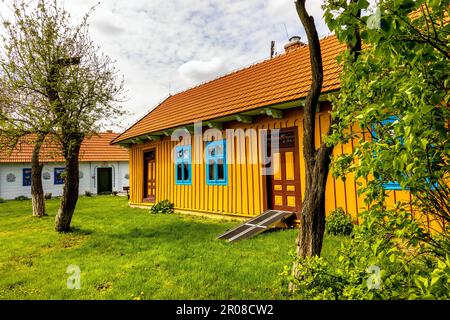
[284, 184]
[150, 176]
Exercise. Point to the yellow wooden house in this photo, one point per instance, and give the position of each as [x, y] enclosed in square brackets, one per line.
[204, 149]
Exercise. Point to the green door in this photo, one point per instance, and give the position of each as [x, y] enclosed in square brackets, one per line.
[104, 180]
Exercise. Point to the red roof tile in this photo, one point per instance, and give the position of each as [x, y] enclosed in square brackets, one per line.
[284, 78]
[95, 148]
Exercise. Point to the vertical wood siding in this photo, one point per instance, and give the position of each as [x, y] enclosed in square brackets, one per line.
[245, 194]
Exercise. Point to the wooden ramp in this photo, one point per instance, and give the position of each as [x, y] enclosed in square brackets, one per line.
[255, 225]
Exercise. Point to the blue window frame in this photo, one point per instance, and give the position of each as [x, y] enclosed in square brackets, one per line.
[394, 185]
[183, 165]
[391, 185]
[216, 163]
[26, 177]
[58, 176]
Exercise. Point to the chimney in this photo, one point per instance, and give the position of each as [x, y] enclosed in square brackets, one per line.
[294, 43]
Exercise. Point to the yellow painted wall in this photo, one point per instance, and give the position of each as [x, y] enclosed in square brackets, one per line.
[245, 193]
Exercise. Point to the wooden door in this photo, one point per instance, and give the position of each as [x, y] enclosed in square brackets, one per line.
[284, 183]
[150, 176]
[104, 180]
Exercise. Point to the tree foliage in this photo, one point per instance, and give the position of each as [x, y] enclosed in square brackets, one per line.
[401, 75]
[59, 81]
[394, 100]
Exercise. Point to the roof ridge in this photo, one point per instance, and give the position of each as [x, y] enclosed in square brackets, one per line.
[198, 91]
[247, 66]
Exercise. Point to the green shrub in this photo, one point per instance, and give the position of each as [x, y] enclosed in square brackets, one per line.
[2, 200]
[21, 198]
[164, 206]
[386, 259]
[48, 196]
[339, 223]
[87, 193]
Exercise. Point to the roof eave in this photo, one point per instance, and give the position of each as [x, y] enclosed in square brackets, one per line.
[156, 135]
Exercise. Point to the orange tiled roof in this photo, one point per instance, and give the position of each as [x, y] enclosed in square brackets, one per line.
[284, 78]
[95, 148]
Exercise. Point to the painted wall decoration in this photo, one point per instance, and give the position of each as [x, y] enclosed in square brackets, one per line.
[46, 175]
[10, 177]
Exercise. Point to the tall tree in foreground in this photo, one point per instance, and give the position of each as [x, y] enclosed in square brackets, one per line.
[317, 161]
[24, 114]
[394, 99]
[399, 92]
[77, 82]
[312, 220]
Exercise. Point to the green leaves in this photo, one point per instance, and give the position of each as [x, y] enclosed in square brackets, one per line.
[339, 223]
[402, 72]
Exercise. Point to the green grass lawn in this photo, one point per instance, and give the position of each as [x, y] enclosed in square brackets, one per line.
[123, 251]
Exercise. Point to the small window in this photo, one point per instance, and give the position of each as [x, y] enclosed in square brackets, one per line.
[183, 163]
[386, 123]
[26, 181]
[216, 168]
[59, 176]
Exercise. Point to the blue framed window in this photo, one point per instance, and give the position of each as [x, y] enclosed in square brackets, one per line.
[391, 185]
[216, 163]
[183, 165]
[26, 177]
[58, 176]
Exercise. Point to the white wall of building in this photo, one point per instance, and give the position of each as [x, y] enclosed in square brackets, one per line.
[88, 178]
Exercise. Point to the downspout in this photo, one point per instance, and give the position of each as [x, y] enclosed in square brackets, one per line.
[90, 177]
[118, 176]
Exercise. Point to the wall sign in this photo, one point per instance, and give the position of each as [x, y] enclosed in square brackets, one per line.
[10, 177]
[46, 176]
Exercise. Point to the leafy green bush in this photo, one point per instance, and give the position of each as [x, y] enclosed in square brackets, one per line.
[2, 200]
[21, 198]
[48, 196]
[164, 206]
[386, 259]
[339, 223]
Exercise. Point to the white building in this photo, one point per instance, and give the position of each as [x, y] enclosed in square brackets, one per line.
[103, 168]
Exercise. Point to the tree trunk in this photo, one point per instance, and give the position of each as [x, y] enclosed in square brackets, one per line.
[37, 191]
[317, 162]
[312, 220]
[70, 139]
[70, 192]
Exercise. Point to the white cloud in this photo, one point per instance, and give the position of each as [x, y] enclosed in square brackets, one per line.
[195, 71]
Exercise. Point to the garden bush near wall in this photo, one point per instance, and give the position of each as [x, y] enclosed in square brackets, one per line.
[339, 223]
[164, 206]
[21, 198]
[2, 200]
[384, 260]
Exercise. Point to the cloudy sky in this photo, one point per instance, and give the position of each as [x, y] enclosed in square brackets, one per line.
[164, 46]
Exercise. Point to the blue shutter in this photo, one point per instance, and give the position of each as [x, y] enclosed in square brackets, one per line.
[57, 178]
[183, 165]
[26, 177]
[391, 185]
[216, 163]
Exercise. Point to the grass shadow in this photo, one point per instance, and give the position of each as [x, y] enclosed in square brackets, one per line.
[78, 231]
